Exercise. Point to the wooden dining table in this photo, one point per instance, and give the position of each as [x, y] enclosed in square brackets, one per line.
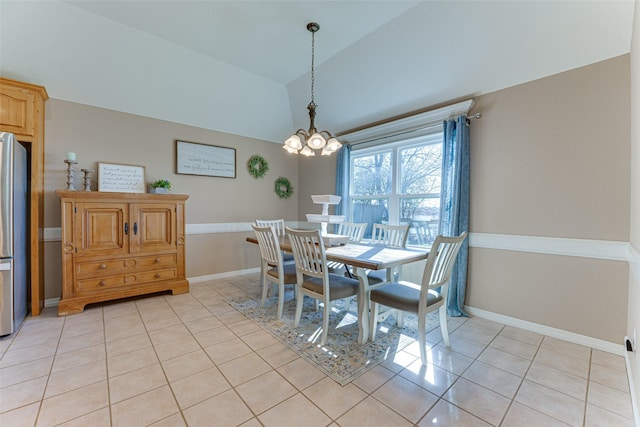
[363, 257]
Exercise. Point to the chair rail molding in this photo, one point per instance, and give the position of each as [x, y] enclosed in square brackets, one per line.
[586, 248]
[600, 249]
[634, 262]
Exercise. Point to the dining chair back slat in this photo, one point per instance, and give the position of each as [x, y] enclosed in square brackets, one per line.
[354, 231]
[390, 235]
[277, 224]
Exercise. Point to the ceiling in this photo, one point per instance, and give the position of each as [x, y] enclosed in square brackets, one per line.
[243, 66]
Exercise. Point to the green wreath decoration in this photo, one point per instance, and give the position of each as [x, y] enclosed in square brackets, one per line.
[257, 166]
[283, 188]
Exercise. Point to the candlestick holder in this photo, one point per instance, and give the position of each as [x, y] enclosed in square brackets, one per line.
[70, 174]
[87, 178]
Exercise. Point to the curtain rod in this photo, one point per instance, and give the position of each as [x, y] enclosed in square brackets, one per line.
[476, 116]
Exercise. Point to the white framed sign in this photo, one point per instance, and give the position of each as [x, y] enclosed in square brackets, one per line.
[193, 158]
[121, 178]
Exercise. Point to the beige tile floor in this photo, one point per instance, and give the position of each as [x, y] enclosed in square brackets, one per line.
[194, 360]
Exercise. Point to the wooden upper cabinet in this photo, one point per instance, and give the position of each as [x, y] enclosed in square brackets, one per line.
[22, 113]
[17, 110]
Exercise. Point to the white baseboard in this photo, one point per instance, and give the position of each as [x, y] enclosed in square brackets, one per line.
[223, 275]
[51, 302]
[598, 344]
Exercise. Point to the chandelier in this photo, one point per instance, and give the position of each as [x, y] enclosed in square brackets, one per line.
[305, 142]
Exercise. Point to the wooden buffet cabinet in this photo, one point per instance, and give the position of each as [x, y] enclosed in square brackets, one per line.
[22, 113]
[117, 245]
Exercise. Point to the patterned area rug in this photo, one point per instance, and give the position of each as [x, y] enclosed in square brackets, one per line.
[342, 358]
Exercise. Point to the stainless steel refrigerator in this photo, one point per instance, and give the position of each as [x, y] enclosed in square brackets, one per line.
[13, 233]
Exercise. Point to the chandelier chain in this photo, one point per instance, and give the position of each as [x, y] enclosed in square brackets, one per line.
[313, 55]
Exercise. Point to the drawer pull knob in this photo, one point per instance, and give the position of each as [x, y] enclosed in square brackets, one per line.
[103, 266]
[157, 276]
[102, 283]
[157, 260]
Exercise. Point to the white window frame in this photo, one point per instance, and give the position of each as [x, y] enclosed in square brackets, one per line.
[402, 131]
[394, 197]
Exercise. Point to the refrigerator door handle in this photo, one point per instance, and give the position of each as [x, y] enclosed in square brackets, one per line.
[5, 266]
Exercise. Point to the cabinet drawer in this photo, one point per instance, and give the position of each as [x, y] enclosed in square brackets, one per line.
[156, 262]
[156, 276]
[100, 283]
[104, 268]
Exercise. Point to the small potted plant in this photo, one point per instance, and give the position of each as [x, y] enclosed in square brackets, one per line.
[161, 186]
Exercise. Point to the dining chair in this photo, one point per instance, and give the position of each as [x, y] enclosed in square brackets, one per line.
[274, 271]
[389, 235]
[278, 225]
[313, 277]
[423, 298]
[353, 230]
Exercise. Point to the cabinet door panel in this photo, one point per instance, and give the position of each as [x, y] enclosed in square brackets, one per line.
[17, 110]
[154, 228]
[102, 227]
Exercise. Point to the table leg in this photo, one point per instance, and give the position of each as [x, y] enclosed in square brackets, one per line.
[363, 305]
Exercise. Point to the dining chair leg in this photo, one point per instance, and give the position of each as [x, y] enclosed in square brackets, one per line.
[280, 297]
[443, 325]
[347, 303]
[299, 302]
[399, 318]
[422, 332]
[373, 319]
[265, 289]
[325, 321]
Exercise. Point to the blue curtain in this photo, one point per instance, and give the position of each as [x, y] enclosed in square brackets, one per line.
[454, 204]
[342, 178]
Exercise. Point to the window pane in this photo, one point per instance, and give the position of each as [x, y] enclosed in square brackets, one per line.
[372, 174]
[423, 214]
[420, 169]
[371, 211]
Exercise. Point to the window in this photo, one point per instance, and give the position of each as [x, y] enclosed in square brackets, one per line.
[398, 183]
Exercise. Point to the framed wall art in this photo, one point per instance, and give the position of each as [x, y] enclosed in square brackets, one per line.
[121, 178]
[193, 158]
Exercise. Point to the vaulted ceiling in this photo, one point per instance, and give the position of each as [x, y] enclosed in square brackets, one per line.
[243, 67]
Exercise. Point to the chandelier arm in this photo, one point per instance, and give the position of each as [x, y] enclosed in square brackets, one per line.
[326, 134]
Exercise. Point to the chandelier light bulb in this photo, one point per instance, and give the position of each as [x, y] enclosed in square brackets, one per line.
[290, 150]
[306, 151]
[333, 144]
[293, 142]
[316, 141]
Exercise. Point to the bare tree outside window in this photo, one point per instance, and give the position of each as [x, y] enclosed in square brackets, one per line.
[400, 184]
